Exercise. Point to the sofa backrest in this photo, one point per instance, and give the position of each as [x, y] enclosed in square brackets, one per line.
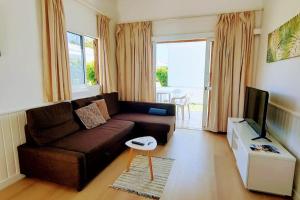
[78, 103]
[50, 123]
[112, 102]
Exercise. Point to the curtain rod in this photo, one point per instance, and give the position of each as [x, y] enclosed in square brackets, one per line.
[186, 17]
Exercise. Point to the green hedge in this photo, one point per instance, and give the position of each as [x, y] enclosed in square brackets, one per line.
[162, 75]
[90, 74]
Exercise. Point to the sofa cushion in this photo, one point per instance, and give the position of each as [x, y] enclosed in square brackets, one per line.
[150, 125]
[99, 144]
[103, 108]
[50, 123]
[112, 102]
[144, 107]
[96, 139]
[157, 111]
[90, 116]
[78, 103]
[146, 118]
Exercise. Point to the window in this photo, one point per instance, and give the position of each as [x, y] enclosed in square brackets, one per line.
[82, 60]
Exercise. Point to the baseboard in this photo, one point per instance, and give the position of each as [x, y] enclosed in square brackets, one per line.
[11, 180]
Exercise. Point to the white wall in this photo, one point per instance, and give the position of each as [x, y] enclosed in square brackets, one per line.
[281, 79]
[192, 25]
[21, 60]
[186, 60]
[80, 19]
[189, 19]
[109, 8]
[21, 47]
[135, 10]
[205, 24]
[171, 17]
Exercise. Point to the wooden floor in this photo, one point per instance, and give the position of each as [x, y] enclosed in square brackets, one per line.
[193, 122]
[204, 170]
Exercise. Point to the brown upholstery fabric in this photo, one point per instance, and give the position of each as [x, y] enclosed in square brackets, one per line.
[141, 117]
[143, 107]
[73, 156]
[150, 125]
[87, 141]
[100, 145]
[112, 102]
[78, 103]
[47, 124]
[57, 165]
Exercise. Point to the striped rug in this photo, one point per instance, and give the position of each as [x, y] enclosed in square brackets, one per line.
[137, 180]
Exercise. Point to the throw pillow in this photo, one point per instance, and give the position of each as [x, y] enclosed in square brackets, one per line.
[157, 111]
[90, 116]
[103, 108]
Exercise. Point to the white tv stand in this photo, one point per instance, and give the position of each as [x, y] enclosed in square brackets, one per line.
[260, 171]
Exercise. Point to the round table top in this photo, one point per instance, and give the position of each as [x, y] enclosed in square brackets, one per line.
[150, 143]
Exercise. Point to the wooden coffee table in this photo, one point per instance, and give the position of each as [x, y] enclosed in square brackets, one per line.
[150, 145]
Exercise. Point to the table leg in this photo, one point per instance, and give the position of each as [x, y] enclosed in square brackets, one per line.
[130, 157]
[150, 165]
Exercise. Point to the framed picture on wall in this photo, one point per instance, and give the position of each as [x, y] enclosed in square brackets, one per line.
[284, 42]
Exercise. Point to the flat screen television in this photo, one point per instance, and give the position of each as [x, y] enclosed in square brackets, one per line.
[255, 110]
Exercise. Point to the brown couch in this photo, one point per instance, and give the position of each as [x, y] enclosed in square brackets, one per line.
[60, 150]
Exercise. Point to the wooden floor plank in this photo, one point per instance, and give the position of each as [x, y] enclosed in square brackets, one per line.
[204, 168]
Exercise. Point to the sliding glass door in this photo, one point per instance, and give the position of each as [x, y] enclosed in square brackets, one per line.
[182, 75]
[207, 85]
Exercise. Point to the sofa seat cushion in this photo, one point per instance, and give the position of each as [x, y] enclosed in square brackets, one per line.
[96, 139]
[146, 118]
[150, 125]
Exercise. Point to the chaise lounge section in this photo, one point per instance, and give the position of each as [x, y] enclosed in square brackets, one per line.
[60, 150]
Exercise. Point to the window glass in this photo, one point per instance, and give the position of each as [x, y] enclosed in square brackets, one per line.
[89, 49]
[76, 59]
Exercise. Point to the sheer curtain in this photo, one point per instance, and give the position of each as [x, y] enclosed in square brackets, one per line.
[231, 68]
[56, 68]
[134, 61]
[104, 75]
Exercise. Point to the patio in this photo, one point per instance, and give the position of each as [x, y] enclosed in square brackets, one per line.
[180, 68]
[187, 99]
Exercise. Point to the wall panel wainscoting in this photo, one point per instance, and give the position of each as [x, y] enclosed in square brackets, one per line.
[11, 136]
[284, 125]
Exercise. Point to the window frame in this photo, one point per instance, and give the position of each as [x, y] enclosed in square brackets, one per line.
[82, 88]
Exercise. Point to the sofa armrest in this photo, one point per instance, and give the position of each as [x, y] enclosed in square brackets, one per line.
[143, 107]
[53, 164]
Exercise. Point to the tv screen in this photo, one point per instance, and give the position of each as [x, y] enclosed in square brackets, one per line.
[255, 109]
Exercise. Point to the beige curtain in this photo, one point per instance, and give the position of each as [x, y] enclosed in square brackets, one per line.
[231, 68]
[134, 61]
[104, 74]
[56, 70]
